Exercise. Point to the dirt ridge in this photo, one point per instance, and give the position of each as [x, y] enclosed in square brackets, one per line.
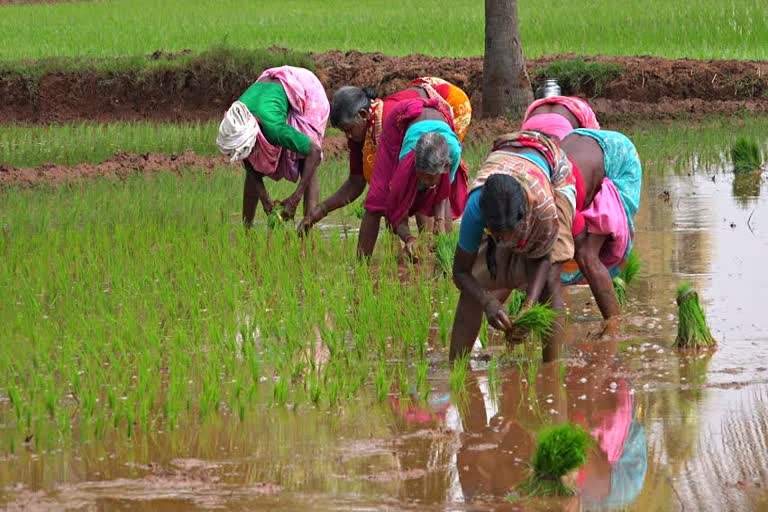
[648, 87]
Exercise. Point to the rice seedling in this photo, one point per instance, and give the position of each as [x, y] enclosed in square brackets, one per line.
[445, 249]
[382, 382]
[493, 375]
[422, 386]
[536, 323]
[626, 277]
[692, 330]
[459, 373]
[515, 302]
[745, 155]
[560, 449]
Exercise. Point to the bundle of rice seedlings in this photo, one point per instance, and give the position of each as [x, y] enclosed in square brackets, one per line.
[445, 250]
[692, 330]
[628, 274]
[359, 210]
[560, 450]
[745, 155]
[515, 302]
[275, 218]
[537, 321]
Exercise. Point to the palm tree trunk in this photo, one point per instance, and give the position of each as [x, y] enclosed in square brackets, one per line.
[506, 86]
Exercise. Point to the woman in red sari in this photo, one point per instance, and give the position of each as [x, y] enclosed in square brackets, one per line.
[418, 170]
[360, 115]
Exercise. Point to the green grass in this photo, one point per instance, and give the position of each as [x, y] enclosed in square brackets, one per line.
[31, 146]
[579, 77]
[697, 29]
[626, 277]
[662, 146]
[445, 250]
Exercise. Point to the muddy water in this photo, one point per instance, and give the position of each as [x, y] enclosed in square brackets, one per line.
[674, 431]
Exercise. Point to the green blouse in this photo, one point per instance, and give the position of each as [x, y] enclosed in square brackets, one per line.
[269, 103]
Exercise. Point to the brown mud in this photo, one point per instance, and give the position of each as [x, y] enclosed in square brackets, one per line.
[649, 87]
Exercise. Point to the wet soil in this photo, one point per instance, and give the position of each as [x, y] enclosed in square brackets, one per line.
[649, 87]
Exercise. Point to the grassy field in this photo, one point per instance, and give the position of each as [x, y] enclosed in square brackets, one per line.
[29, 146]
[697, 28]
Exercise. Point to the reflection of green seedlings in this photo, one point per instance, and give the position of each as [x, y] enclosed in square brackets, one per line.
[625, 278]
[537, 321]
[493, 374]
[692, 330]
[515, 302]
[560, 450]
[459, 373]
[445, 249]
[275, 218]
[745, 155]
[483, 335]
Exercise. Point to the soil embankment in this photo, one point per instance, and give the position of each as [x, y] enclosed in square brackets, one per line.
[648, 87]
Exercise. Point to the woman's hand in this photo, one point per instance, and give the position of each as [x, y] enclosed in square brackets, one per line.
[497, 317]
[289, 207]
[268, 205]
[312, 218]
[410, 248]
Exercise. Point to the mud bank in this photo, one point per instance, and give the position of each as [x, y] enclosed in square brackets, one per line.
[648, 87]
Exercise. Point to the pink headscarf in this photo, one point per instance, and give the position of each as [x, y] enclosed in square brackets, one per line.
[551, 124]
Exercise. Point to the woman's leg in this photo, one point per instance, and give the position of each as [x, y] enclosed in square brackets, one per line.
[311, 193]
[466, 326]
[253, 192]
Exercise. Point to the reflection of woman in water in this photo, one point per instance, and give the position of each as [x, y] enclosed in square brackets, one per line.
[497, 444]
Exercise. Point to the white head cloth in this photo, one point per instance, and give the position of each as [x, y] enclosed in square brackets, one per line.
[237, 132]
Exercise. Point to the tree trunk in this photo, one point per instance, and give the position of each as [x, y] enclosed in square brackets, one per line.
[506, 86]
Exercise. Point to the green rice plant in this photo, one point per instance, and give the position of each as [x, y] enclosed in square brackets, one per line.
[745, 155]
[625, 278]
[402, 380]
[280, 391]
[483, 334]
[515, 302]
[359, 210]
[578, 76]
[459, 373]
[692, 330]
[382, 382]
[559, 450]
[445, 249]
[422, 386]
[537, 321]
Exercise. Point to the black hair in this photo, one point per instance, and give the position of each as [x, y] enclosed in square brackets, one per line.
[347, 102]
[503, 205]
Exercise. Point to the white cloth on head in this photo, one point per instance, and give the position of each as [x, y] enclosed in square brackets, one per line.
[238, 132]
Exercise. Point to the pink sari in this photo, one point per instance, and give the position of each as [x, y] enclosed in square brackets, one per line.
[554, 124]
[394, 189]
[308, 114]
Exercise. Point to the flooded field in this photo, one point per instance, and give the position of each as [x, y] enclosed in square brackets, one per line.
[674, 431]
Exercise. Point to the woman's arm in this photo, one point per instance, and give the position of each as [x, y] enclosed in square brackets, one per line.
[442, 212]
[369, 232]
[467, 284]
[588, 257]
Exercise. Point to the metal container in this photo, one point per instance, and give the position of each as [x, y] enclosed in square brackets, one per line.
[548, 88]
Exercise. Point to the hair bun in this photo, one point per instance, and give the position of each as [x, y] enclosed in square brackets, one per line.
[370, 92]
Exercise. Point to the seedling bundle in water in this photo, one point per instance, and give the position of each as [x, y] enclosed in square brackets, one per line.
[537, 321]
[626, 277]
[560, 450]
[692, 330]
[445, 250]
[745, 155]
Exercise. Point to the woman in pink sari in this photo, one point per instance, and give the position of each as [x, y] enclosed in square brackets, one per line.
[557, 116]
[276, 129]
[418, 169]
